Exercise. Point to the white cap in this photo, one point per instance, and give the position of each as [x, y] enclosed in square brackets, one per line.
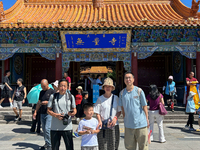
[55, 83]
[170, 77]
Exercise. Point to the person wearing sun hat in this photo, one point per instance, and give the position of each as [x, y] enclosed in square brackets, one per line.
[169, 88]
[78, 99]
[108, 138]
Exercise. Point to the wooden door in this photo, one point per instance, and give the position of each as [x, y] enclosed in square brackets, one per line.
[74, 74]
[38, 68]
[120, 75]
[153, 70]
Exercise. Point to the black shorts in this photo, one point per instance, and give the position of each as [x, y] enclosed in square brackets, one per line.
[167, 97]
[5, 94]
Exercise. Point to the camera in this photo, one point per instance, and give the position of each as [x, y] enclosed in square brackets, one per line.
[65, 119]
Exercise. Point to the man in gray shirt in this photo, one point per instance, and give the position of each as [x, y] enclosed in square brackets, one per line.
[61, 107]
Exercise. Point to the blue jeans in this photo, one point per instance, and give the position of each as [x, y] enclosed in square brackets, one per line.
[46, 127]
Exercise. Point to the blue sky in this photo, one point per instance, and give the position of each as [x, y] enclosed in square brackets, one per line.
[8, 3]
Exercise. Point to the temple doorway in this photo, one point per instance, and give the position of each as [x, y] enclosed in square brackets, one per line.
[115, 70]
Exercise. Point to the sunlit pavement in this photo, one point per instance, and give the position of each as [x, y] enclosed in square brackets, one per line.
[15, 136]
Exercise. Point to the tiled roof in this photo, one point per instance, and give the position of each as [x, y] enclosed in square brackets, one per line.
[82, 13]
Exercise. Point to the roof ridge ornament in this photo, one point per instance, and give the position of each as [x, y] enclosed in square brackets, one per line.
[194, 8]
[2, 14]
[98, 3]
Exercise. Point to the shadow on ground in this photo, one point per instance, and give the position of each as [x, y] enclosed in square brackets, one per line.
[185, 130]
[24, 131]
[26, 145]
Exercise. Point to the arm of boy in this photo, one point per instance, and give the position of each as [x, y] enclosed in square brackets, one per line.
[84, 132]
[95, 131]
[81, 128]
[97, 128]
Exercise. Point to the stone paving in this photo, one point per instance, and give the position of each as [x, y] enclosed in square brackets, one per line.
[17, 136]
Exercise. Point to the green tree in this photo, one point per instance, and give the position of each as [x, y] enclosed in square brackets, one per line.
[112, 74]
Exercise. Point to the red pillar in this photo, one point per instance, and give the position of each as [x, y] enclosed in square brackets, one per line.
[134, 67]
[188, 66]
[198, 66]
[6, 65]
[58, 66]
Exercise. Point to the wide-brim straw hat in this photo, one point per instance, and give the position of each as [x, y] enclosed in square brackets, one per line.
[79, 88]
[108, 82]
[191, 94]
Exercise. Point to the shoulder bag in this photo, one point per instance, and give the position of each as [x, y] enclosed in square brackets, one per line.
[162, 110]
[105, 122]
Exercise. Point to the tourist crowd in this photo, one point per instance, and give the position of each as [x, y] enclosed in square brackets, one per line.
[56, 107]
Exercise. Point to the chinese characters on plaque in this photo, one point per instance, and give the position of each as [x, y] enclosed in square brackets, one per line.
[96, 40]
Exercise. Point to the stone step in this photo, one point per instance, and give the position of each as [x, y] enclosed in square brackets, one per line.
[10, 109]
[12, 113]
[12, 117]
[181, 116]
[27, 122]
[7, 116]
[179, 121]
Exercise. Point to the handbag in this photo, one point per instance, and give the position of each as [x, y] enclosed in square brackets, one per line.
[162, 110]
[105, 122]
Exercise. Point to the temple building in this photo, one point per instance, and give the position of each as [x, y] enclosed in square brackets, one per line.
[152, 38]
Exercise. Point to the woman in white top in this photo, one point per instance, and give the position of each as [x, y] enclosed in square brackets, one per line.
[108, 139]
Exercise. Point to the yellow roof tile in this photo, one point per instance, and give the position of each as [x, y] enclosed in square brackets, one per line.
[82, 13]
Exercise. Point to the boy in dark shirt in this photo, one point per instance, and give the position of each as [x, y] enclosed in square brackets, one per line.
[6, 93]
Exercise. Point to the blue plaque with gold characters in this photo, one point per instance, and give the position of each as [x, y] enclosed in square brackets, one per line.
[96, 41]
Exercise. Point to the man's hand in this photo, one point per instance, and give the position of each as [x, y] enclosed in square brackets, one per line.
[148, 123]
[59, 116]
[71, 113]
[23, 101]
[34, 116]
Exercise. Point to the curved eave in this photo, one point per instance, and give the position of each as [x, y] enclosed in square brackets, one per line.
[180, 8]
[14, 10]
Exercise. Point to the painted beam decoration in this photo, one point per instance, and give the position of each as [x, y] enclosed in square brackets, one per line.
[96, 57]
[96, 41]
[47, 51]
